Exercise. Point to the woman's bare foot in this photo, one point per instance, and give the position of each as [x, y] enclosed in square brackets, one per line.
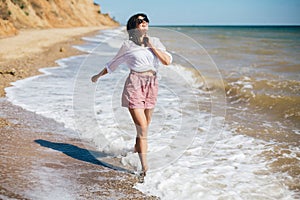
[142, 176]
[145, 169]
[134, 149]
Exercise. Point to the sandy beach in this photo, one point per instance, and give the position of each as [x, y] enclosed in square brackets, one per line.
[38, 160]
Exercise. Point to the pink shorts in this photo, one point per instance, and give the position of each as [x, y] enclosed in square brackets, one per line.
[140, 91]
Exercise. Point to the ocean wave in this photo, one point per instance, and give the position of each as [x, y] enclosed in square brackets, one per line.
[279, 98]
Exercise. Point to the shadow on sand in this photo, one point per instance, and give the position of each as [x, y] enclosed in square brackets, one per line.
[80, 154]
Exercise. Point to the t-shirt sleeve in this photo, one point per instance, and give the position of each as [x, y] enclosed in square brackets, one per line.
[117, 60]
[157, 44]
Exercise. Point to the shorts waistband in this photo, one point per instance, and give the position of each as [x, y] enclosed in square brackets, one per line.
[146, 73]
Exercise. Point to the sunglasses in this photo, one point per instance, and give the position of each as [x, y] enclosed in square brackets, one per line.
[145, 19]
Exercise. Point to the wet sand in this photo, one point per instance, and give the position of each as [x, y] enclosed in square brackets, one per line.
[40, 159]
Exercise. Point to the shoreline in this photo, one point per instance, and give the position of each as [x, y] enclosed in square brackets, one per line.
[39, 157]
[23, 55]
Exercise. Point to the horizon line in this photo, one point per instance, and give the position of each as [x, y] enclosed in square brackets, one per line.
[225, 25]
[220, 24]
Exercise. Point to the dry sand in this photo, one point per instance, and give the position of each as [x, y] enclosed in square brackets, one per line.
[39, 157]
[21, 56]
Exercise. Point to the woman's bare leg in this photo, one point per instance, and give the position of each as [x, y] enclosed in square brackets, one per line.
[142, 119]
[148, 113]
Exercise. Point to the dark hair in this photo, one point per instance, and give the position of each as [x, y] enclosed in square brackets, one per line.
[131, 28]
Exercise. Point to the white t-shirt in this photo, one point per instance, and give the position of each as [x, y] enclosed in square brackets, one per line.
[137, 58]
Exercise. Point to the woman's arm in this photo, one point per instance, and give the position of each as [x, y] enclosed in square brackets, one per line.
[113, 64]
[97, 76]
[161, 55]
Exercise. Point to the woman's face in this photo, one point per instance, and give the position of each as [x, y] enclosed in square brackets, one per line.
[142, 24]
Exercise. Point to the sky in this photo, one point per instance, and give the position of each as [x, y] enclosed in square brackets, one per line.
[206, 12]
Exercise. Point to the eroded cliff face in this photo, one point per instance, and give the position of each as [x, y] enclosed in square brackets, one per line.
[18, 14]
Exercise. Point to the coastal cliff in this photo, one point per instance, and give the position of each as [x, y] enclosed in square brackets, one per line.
[24, 14]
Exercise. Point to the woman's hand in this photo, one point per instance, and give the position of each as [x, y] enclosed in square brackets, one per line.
[145, 41]
[163, 57]
[97, 76]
